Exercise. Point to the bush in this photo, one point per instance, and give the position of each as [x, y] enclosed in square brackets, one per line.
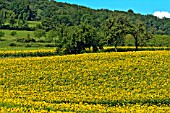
[39, 33]
[2, 34]
[28, 45]
[13, 33]
[27, 40]
[30, 40]
[20, 40]
[12, 44]
[2, 39]
[159, 40]
[41, 41]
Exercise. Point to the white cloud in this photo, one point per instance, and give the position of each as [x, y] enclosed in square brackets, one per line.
[161, 14]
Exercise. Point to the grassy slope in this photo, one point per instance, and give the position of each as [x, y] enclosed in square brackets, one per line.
[33, 23]
[7, 39]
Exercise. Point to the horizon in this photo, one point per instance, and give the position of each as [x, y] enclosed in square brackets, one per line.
[153, 7]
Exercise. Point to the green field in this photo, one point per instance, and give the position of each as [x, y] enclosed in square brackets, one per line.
[20, 33]
[7, 39]
[33, 24]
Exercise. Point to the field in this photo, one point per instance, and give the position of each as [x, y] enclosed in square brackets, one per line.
[94, 82]
[33, 24]
[8, 39]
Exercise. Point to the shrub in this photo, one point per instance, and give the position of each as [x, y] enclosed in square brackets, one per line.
[28, 45]
[2, 34]
[12, 44]
[30, 40]
[41, 41]
[20, 40]
[13, 33]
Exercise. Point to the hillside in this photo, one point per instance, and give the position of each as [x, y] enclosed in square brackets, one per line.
[56, 22]
[21, 11]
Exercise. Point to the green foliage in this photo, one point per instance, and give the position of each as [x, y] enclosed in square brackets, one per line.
[13, 33]
[39, 33]
[159, 40]
[2, 34]
[129, 40]
[18, 13]
[138, 31]
[115, 29]
[74, 28]
[2, 18]
[75, 39]
[29, 39]
[12, 44]
[51, 36]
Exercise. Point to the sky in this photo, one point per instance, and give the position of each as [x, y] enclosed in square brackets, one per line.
[159, 8]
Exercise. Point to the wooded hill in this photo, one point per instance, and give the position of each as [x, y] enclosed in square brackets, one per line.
[76, 26]
[21, 11]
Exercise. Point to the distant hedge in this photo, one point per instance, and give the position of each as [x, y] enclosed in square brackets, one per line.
[52, 52]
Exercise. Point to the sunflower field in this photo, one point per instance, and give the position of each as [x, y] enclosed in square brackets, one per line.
[136, 82]
[27, 53]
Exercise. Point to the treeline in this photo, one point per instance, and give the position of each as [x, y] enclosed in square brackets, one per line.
[74, 27]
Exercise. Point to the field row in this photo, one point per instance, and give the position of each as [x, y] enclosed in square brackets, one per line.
[34, 52]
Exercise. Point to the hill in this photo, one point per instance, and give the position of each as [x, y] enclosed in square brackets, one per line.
[16, 13]
[71, 25]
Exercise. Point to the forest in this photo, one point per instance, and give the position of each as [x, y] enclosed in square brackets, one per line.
[73, 28]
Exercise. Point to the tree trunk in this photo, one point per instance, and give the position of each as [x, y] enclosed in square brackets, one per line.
[136, 44]
[95, 48]
[115, 47]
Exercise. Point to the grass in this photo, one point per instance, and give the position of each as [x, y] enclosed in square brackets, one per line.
[20, 33]
[8, 39]
[33, 23]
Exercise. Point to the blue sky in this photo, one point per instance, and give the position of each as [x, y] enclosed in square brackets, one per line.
[138, 6]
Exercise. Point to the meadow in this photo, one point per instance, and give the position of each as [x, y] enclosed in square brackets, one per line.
[93, 82]
[8, 39]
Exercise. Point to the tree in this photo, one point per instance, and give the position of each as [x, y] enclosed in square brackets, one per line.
[51, 35]
[138, 30]
[48, 24]
[130, 11]
[2, 18]
[12, 20]
[116, 28]
[1, 34]
[39, 33]
[74, 39]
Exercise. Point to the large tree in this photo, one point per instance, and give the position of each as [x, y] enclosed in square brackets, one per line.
[74, 39]
[138, 30]
[116, 28]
